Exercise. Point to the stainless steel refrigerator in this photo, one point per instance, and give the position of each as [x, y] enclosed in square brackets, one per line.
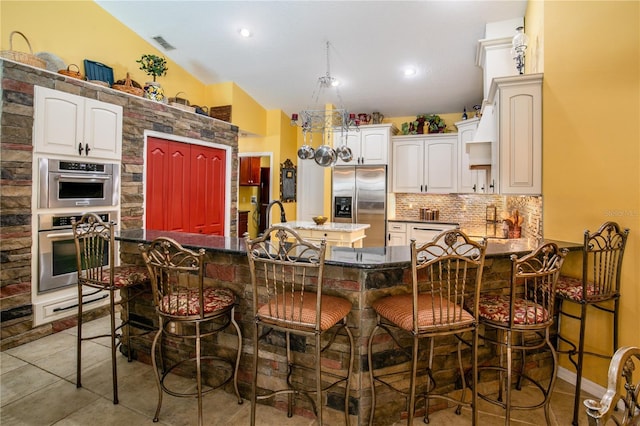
[359, 195]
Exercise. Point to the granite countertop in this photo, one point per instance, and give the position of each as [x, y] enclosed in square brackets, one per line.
[362, 258]
[328, 226]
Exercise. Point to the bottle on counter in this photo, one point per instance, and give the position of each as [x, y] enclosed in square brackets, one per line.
[505, 229]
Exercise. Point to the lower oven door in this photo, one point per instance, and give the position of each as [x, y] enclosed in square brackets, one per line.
[57, 262]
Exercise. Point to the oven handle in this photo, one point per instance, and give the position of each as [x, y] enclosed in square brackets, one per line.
[60, 235]
[84, 177]
[84, 302]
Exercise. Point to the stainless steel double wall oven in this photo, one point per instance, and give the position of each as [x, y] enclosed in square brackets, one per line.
[77, 187]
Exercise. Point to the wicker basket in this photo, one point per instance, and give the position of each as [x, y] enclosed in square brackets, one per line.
[177, 100]
[221, 112]
[127, 85]
[24, 58]
[70, 73]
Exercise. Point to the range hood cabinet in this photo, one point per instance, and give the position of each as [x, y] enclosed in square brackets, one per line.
[479, 148]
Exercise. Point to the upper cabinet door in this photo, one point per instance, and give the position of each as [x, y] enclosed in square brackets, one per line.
[408, 165]
[58, 122]
[441, 164]
[369, 144]
[103, 129]
[352, 140]
[374, 146]
[249, 171]
[74, 126]
[516, 155]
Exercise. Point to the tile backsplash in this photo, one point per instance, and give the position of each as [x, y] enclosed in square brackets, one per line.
[470, 210]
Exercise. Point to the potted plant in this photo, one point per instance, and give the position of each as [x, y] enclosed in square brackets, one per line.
[436, 124]
[154, 66]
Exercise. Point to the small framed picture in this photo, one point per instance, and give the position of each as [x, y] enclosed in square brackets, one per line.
[287, 182]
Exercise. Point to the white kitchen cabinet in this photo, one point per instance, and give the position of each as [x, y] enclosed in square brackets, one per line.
[397, 234]
[470, 180]
[517, 162]
[425, 163]
[71, 125]
[369, 144]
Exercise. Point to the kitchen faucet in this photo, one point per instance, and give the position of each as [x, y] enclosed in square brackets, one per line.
[283, 218]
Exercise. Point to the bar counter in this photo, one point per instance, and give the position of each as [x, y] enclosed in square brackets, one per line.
[362, 275]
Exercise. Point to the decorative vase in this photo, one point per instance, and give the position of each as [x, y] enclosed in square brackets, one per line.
[154, 92]
[420, 127]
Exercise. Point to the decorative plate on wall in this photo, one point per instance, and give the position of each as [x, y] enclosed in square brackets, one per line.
[54, 63]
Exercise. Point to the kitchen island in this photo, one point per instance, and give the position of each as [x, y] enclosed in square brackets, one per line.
[334, 233]
[362, 275]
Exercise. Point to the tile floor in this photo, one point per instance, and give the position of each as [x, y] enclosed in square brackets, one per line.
[37, 387]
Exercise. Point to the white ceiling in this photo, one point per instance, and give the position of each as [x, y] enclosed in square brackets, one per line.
[371, 43]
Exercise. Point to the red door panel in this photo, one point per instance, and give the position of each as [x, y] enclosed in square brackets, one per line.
[177, 202]
[185, 187]
[208, 184]
[216, 205]
[156, 179]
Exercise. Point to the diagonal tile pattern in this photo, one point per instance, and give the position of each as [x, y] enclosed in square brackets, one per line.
[38, 388]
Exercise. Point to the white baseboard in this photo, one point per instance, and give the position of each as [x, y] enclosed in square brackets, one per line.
[587, 385]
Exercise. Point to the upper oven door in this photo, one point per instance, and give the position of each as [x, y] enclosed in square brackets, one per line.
[67, 184]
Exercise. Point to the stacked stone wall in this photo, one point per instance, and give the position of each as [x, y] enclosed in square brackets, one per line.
[17, 186]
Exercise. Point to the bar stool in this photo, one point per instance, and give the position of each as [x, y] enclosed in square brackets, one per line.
[446, 276]
[95, 259]
[599, 287]
[187, 310]
[523, 310]
[287, 278]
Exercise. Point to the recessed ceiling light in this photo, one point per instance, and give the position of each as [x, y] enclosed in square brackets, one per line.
[245, 32]
[409, 72]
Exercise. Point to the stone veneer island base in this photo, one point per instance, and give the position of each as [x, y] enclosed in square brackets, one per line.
[360, 275]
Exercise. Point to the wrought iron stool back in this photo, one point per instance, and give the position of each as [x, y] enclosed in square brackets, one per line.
[446, 277]
[598, 287]
[95, 262]
[187, 309]
[519, 320]
[288, 298]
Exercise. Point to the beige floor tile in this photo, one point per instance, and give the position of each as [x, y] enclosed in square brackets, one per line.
[104, 412]
[23, 381]
[47, 405]
[9, 362]
[44, 347]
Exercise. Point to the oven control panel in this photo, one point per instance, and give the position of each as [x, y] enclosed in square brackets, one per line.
[51, 221]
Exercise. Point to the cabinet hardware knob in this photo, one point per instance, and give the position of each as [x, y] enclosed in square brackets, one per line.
[80, 148]
[474, 187]
[86, 149]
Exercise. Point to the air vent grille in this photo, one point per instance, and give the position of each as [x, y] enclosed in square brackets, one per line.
[162, 42]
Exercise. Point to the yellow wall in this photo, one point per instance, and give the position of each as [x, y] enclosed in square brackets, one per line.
[78, 30]
[591, 143]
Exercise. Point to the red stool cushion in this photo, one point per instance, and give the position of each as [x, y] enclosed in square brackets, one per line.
[126, 275]
[496, 308]
[571, 288]
[186, 301]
